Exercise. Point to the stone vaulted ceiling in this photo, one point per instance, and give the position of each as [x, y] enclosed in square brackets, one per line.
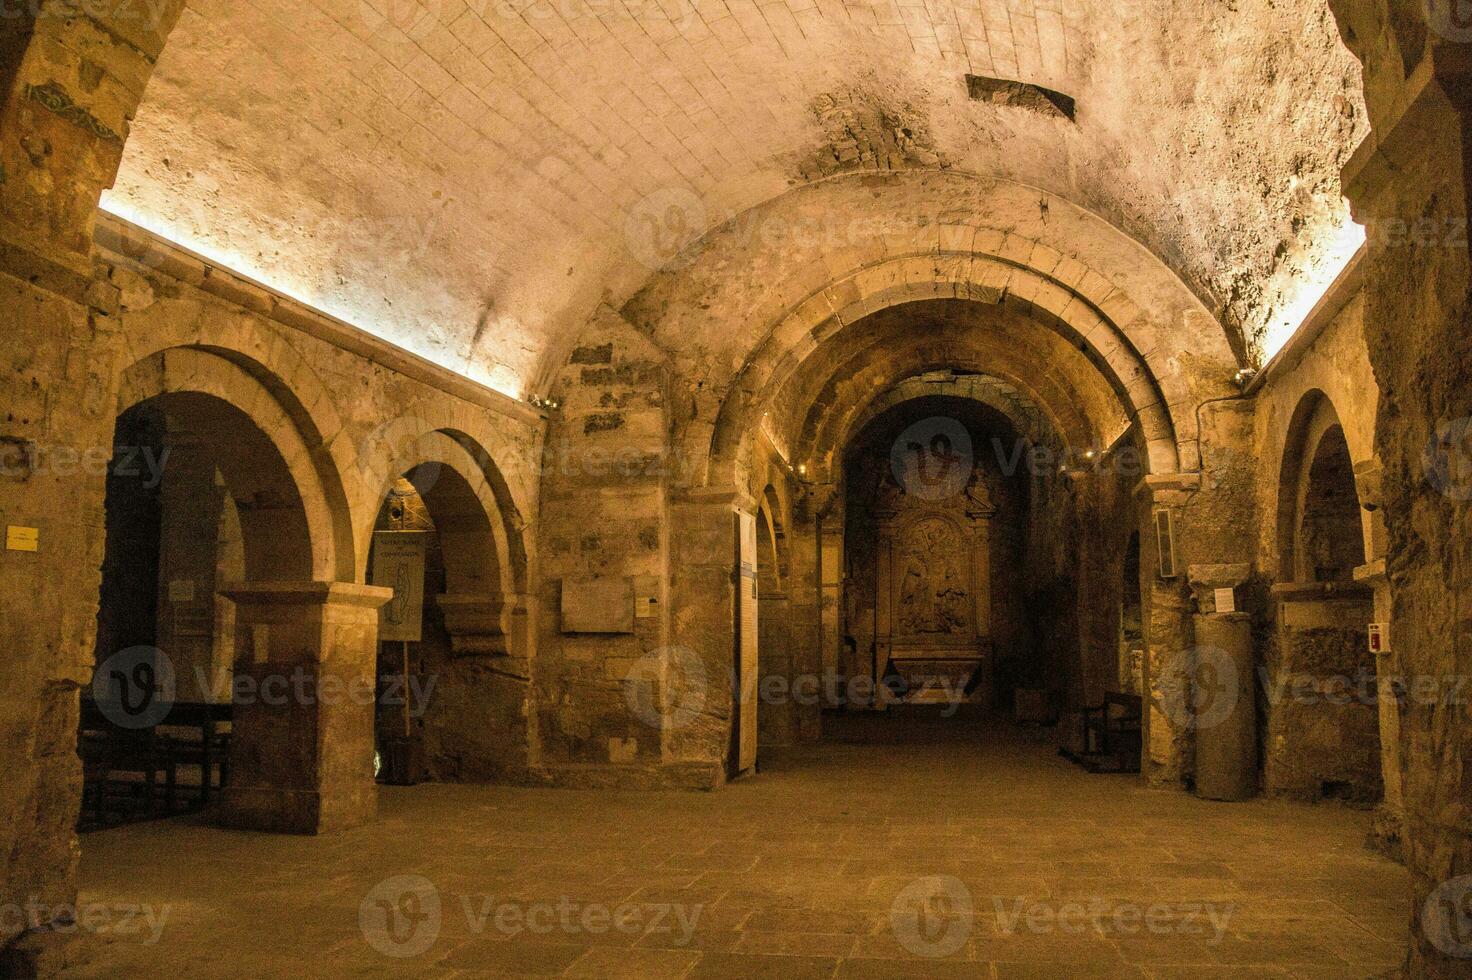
[469, 178]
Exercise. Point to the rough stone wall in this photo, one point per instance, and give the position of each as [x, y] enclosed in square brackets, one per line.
[1073, 564]
[1323, 739]
[617, 702]
[66, 360]
[1417, 330]
[70, 87]
[1417, 319]
[1308, 737]
[1103, 538]
[1051, 591]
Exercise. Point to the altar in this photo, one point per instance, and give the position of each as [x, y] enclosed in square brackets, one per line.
[932, 624]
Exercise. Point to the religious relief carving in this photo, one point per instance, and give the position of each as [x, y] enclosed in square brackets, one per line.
[934, 594]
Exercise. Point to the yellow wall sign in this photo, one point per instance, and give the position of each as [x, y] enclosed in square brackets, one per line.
[22, 538]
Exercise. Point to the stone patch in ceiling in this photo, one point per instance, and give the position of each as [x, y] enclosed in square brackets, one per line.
[864, 130]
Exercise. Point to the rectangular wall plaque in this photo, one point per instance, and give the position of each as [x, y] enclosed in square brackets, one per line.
[22, 538]
[1226, 600]
[598, 605]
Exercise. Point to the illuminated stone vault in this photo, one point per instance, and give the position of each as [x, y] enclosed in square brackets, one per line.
[506, 166]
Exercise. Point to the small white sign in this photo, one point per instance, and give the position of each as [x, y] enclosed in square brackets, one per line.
[1379, 638]
[1226, 600]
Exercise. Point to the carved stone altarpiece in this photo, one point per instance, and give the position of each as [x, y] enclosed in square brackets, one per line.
[934, 588]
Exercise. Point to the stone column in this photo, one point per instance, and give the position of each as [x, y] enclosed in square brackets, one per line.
[981, 511]
[777, 720]
[68, 86]
[825, 503]
[301, 746]
[1222, 707]
[830, 587]
[698, 725]
[1168, 634]
[1388, 830]
[874, 663]
[802, 614]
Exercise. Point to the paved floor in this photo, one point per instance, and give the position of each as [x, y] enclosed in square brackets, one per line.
[896, 847]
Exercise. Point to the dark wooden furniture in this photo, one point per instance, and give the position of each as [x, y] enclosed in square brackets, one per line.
[1111, 735]
[133, 772]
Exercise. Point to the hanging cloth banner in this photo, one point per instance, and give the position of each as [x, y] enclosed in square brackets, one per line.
[398, 564]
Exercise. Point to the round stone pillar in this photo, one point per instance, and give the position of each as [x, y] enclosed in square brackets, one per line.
[1224, 710]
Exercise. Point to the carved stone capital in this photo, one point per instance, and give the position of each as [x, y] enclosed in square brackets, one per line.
[478, 623]
[1205, 579]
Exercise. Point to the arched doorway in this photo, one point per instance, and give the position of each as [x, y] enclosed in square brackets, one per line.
[934, 529]
[224, 647]
[454, 671]
[1321, 691]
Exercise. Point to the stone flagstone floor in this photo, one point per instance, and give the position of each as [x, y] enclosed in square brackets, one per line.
[902, 846]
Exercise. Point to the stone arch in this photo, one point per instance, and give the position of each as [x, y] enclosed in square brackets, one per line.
[1031, 425]
[476, 639]
[194, 373]
[1324, 747]
[833, 386]
[952, 235]
[1317, 483]
[996, 393]
[260, 349]
[981, 279]
[461, 483]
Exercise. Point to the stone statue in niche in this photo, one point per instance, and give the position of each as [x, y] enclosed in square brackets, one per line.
[934, 594]
[979, 495]
[888, 495]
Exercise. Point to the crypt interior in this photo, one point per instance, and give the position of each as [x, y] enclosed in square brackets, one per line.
[713, 488]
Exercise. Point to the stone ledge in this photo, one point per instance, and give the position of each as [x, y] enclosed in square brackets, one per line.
[1372, 573]
[308, 593]
[1320, 591]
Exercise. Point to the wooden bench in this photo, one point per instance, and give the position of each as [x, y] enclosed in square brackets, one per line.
[134, 772]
